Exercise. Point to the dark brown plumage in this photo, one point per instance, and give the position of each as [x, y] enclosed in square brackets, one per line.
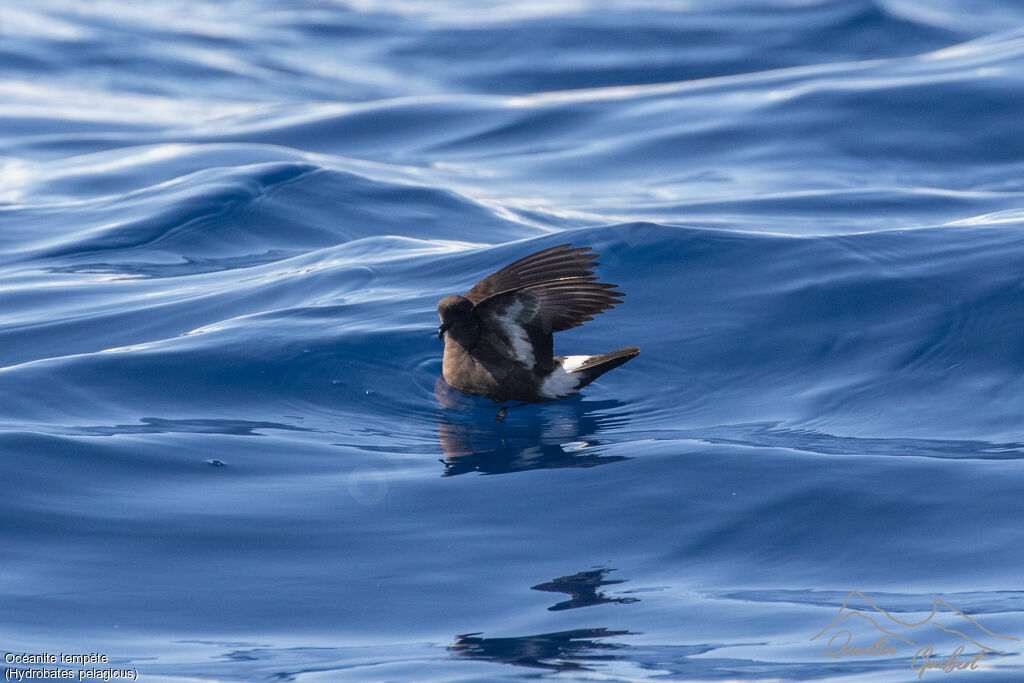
[499, 335]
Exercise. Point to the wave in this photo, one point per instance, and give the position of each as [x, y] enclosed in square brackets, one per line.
[893, 333]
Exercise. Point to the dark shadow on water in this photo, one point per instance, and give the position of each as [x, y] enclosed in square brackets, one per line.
[583, 587]
[973, 602]
[187, 265]
[771, 435]
[560, 651]
[156, 425]
[531, 437]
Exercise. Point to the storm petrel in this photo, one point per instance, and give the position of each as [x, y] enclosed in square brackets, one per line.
[498, 337]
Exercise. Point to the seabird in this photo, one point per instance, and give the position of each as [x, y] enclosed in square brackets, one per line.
[498, 337]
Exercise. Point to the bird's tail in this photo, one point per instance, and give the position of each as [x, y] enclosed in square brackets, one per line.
[595, 366]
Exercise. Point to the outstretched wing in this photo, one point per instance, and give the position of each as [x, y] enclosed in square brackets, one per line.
[555, 287]
[550, 264]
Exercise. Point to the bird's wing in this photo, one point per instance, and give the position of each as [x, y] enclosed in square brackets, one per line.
[549, 264]
[556, 288]
[510, 329]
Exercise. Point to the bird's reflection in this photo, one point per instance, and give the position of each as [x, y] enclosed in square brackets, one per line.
[548, 436]
[583, 587]
[551, 651]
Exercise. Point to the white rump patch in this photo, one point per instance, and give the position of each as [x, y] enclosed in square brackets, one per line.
[573, 363]
[562, 381]
[521, 346]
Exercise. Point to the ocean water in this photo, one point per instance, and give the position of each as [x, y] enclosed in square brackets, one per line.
[224, 229]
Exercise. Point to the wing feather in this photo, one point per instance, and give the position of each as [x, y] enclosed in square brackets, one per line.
[557, 285]
[563, 261]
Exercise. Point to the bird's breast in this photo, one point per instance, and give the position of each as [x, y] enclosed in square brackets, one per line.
[463, 371]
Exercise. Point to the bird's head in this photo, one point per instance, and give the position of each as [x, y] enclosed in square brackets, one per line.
[456, 313]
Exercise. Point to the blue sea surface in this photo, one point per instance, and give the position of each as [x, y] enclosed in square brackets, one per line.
[225, 453]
